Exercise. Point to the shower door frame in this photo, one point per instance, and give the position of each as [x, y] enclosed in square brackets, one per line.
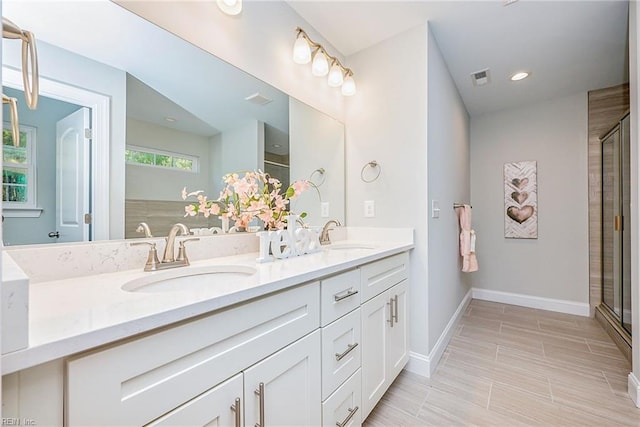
[619, 211]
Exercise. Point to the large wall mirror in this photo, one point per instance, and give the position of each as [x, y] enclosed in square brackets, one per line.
[164, 115]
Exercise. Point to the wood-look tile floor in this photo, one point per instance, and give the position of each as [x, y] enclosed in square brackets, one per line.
[514, 366]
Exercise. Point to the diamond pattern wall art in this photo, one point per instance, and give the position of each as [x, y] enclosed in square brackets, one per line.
[521, 200]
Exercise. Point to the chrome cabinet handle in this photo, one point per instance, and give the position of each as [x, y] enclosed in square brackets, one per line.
[260, 393]
[236, 409]
[390, 304]
[395, 309]
[350, 347]
[344, 296]
[352, 412]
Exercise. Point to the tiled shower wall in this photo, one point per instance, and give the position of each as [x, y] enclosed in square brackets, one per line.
[161, 215]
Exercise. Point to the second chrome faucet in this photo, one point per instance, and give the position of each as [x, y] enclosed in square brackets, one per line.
[324, 235]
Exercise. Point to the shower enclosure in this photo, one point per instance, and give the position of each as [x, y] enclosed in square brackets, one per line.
[616, 235]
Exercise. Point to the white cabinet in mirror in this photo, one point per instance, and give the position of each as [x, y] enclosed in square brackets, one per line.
[163, 94]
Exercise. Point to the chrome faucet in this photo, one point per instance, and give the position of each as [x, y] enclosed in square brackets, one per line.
[324, 235]
[169, 252]
[143, 227]
[169, 260]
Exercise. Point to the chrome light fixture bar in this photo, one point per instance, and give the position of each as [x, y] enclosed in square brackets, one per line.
[306, 50]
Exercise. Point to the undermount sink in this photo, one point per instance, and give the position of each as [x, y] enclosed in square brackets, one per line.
[348, 246]
[189, 278]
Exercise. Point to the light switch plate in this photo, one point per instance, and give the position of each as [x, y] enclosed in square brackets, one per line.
[435, 209]
[324, 210]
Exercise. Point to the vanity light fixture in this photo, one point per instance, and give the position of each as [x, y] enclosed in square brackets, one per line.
[521, 75]
[336, 77]
[322, 63]
[230, 7]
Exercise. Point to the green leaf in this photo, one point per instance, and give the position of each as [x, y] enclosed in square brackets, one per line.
[290, 192]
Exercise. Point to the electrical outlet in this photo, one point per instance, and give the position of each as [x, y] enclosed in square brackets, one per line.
[369, 209]
[324, 210]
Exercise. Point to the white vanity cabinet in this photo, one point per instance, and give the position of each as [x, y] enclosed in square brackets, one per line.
[384, 327]
[317, 353]
[142, 380]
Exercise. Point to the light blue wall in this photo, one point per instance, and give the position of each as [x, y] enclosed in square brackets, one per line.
[556, 264]
[66, 67]
[448, 176]
[35, 230]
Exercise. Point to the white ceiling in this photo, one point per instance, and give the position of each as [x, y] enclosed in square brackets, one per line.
[569, 46]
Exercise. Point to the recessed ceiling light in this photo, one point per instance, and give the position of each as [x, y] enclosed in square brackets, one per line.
[519, 76]
[277, 145]
[171, 119]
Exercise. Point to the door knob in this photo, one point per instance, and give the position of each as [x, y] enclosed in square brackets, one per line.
[54, 234]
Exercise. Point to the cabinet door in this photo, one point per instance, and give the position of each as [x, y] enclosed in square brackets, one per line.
[385, 348]
[290, 382]
[397, 341]
[375, 315]
[219, 406]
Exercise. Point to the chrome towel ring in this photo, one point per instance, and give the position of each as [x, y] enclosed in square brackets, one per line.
[373, 165]
[321, 172]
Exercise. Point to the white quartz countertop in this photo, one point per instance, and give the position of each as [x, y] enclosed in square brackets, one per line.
[71, 315]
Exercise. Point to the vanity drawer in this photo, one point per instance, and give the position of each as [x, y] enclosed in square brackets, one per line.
[379, 276]
[136, 382]
[341, 351]
[339, 295]
[344, 405]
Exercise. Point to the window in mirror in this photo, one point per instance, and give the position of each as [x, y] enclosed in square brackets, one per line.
[163, 159]
[18, 168]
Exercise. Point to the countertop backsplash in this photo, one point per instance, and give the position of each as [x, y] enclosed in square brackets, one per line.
[43, 263]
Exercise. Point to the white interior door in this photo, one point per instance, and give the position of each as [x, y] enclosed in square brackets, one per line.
[72, 177]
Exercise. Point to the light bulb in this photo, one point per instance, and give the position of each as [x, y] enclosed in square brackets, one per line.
[349, 86]
[335, 78]
[320, 65]
[230, 7]
[301, 51]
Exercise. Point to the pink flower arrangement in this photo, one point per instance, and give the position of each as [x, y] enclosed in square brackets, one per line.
[254, 195]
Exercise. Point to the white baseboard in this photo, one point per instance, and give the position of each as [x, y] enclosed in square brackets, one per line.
[562, 306]
[426, 365]
[634, 389]
[418, 364]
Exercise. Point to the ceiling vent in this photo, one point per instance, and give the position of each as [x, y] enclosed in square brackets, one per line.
[258, 99]
[481, 78]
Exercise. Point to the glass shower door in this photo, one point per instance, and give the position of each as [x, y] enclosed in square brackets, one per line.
[611, 223]
[616, 233]
[626, 215]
